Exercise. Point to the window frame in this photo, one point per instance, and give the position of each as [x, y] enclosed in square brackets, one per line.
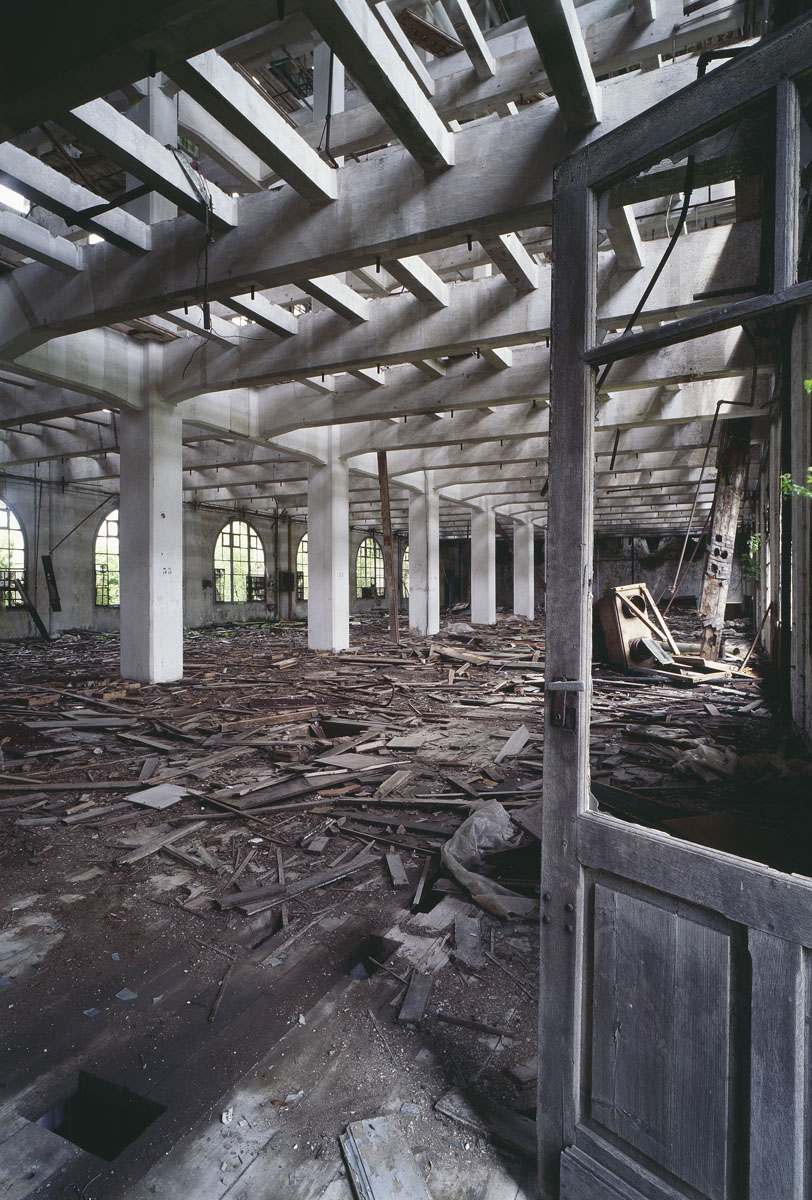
[10, 523]
[378, 575]
[114, 513]
[302, 569]
[251, 575]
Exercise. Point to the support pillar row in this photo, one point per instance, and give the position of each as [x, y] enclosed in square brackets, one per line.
[328, 555]
[524, 570]
[151, 543]
[483, 567]
[424, 562]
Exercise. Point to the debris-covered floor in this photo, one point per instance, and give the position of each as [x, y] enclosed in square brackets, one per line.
[237, 922]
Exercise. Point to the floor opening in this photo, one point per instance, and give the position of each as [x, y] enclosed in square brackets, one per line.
[369, 955]
[101, 1117]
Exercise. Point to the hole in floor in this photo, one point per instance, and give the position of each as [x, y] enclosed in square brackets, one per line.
[100, 1117]
[367, 956]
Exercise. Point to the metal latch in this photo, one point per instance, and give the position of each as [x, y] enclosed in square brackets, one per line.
[564, 704]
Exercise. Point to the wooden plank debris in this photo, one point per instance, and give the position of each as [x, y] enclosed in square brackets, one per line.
[396, 871]
[417, 998]
[514, 745]
[380, 1164]
[158, 843]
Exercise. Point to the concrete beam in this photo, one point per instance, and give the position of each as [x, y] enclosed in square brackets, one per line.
[560, 43]
[27, 237]
[470, 34]
[337, 296]
[424, 283]
[246, 168]
[404, 47]
[264, 313]
[509, 256]
[118, 138]
[236, 103]
[352, 29]
[42, 185]
[277, 242]
[625, 238]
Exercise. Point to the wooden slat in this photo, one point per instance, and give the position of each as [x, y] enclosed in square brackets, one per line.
[745, 892]
[661, 1036]
[777, 1067]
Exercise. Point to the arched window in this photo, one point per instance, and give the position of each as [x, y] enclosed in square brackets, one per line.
[404, 574]
[105, 562]
[12, 557]
[301, 570]
[239, 565]
[369, 570]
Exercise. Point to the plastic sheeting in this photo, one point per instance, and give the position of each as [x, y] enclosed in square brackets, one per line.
[488, 830]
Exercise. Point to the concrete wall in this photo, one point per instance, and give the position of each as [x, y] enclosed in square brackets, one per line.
[47, 514]
[622, 560]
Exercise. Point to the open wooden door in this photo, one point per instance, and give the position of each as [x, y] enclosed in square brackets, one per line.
[676, 993]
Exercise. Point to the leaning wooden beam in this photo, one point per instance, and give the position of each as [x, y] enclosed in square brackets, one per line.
[562, 50]
[508, 254]
[170, 174]
[354, 32]
[26, 237]
[237, 104]
[42, 185]
[731, 482]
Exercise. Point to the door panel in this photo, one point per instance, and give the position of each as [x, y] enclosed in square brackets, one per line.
[662, 1036]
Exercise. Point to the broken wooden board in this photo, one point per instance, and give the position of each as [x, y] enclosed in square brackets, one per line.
[416, 1000]
[163, 795]
[396, 871]
[496, 1121]
[468, 950]
[514, 745]
[158, 843]
[380, 1164]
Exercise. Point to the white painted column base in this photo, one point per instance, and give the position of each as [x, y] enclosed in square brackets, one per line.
[424, 562]
[151, 543]
[328, 556]
[483, 567]
[524, 581]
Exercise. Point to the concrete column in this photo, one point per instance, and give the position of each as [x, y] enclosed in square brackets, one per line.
[424, 561]
[524, 579]
[157, 114]
[151, 550]
[483, 567]
[328, 555]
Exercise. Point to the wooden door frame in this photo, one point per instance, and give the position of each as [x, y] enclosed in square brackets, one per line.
[570, 829]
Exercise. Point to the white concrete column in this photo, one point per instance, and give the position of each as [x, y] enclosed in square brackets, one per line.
[424, 561]
[156, 114]
[151, 546]
[328, 555]
[483, 566]
[524, 580]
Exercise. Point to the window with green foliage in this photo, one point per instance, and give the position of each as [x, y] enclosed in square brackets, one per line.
[12, 557]
[301, 570]
[404, 574]
[105, 560]
[239, 565]
[369, 570]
